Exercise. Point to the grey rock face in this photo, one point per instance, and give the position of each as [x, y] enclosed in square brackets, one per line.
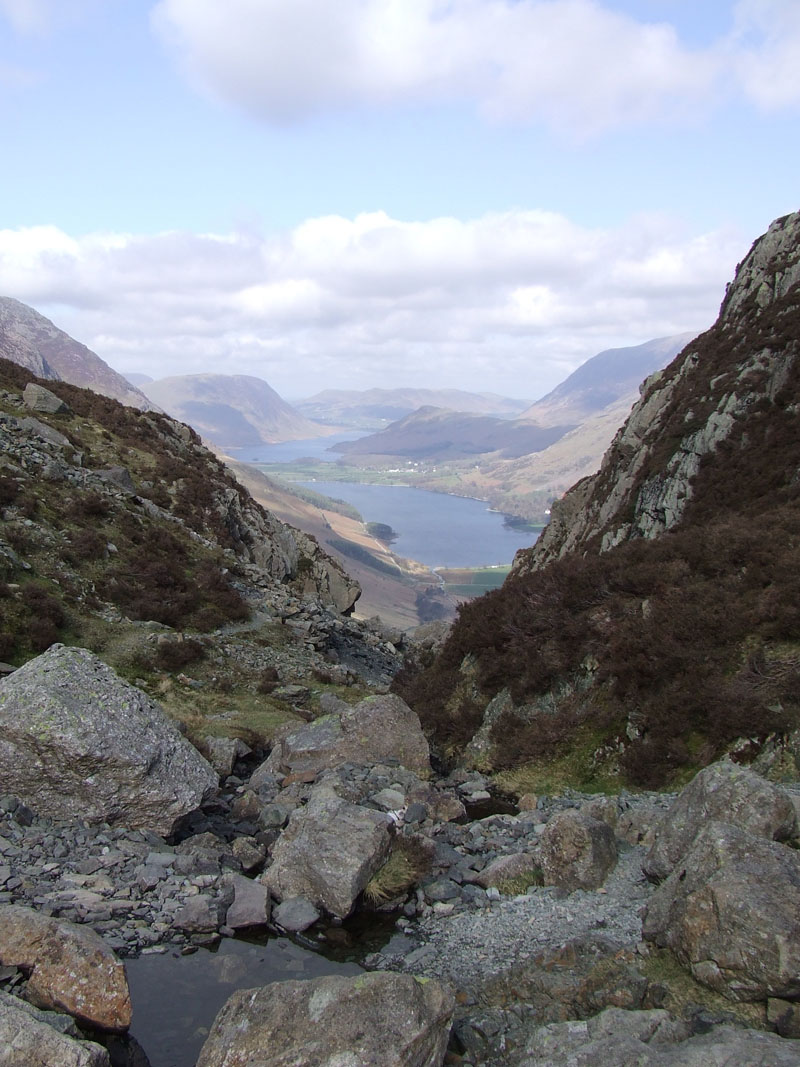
[76, 741]
[28, 1040]
[375, 729]
[724, 792]
[577, 852]
[652, 1039]
[730, 910]
[328, 853]
[388, 1019]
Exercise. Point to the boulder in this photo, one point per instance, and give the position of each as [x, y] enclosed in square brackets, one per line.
[730, 911]
[37, 398]
[577, 851]
[27, 1039]
[328, 852]
[377, 1018]
[70, 967]
[77, 742]
[652, 1039]
[223, 752]
[378, 728]
[295, 914]
[724, 792]
[512, 866]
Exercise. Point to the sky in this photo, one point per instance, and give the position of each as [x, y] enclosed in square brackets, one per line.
[478, 194]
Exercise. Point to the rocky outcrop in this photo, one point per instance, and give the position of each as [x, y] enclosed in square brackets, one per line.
[328, 852]
[723, 792]
[77, 741]
[730, 911]
[388, 1019]
[70, 969]
[376, 728]
[684, 413]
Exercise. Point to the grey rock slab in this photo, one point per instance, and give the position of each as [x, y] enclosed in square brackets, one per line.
[250, 905]
[37, 398]
[379, 1018]
[295, 914]
[653, 1039]
[328, 852]
[725, 792]
[76, 741]
[28, 1040]
[730, 911]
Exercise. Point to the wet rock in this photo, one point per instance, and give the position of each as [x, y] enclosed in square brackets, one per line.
[577, 852]
[376, 728]
[381, 1018]
[70, 968]
[725, 792]
[730, 910]
[28, 1039]
[295, 914]
[327, 853]
[76, 741]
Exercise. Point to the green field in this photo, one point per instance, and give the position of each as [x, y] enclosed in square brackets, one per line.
[473, 581]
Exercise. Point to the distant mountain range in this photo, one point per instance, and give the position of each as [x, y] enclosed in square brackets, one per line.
[32, 341]
[372, 409]
[436, 434]
[232, 410]
[583, 412]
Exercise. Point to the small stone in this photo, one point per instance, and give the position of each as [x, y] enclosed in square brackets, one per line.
[295, 914]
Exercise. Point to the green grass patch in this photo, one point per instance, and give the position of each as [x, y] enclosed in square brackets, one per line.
[473, 581]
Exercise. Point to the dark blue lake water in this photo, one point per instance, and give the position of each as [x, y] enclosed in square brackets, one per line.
[434, 528]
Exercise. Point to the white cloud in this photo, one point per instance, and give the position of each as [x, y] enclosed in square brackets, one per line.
[575, 65]
[502, 302]
[39, 16]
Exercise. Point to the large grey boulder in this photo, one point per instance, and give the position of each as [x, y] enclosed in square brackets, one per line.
[70, 967]
[328, 852]
[389, 1019]
[653, 1039]
[730, 911]
[37, 398]
[577, 851]
[28, 1039]
[378, 728]
[78, 742]
[723, 792]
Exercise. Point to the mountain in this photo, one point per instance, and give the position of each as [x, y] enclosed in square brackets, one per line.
[435, 434]
[32, 341]
[606, 380]
[655, 626]
[372, 409]
[232, 410]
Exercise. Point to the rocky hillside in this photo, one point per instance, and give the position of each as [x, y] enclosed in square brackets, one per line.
[28, 338]
[654, 626]
[232, 410]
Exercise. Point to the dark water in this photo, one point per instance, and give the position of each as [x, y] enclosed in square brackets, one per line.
[176, 998]
[286, 451]
[434, 528]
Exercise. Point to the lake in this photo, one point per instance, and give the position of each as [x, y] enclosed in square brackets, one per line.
[434, 528]
[286, 451]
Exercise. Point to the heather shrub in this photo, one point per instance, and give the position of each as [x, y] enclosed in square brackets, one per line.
[175, 655]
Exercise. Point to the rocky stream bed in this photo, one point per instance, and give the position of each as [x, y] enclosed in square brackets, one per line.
[634, 929]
